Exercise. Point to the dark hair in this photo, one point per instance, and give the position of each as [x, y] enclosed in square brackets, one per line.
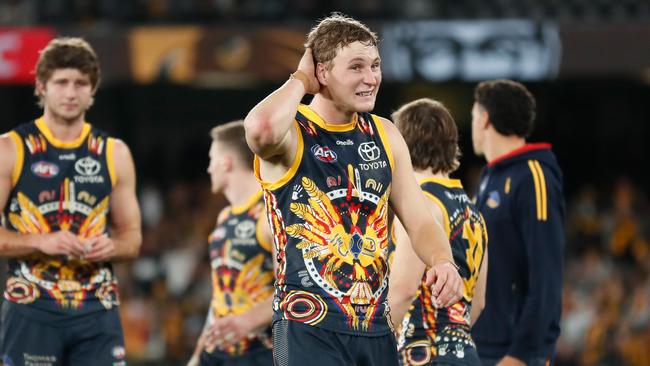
[430, 134]
[67, 53]
[335, 32]
[233, 136]
[510, 106]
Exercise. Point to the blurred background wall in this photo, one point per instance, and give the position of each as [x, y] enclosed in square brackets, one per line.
[173, 69]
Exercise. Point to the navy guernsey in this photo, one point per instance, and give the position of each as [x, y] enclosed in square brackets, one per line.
[60, 186]
[521, 199]
[242, 270]
[329, 216]
[444, 333]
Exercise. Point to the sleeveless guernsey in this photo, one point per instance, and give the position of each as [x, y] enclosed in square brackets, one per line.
[242, 269]
[328, 214]
[60, 186]
[444, 333]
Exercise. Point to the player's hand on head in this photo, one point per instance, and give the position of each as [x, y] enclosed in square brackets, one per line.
[446, 284]
[58, 243]
[99, 248]
[307, 66]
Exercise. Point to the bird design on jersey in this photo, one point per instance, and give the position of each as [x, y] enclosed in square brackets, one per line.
[345, 251]
[66, 279]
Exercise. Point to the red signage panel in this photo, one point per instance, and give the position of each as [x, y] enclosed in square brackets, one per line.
[19, 52]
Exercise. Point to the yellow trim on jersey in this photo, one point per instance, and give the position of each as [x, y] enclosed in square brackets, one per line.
[311, 115]
[42, 126]
[289, 173]
[445, 214]
[110, 160]
[447, 182]
[540, 189]
[252, 200]
[258, 234]
[20, 158]
[384, 140]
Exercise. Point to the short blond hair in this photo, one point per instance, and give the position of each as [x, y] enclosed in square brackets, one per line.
[232, 136]
[335, 32]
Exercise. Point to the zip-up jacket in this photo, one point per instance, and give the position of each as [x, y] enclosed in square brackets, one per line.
[521, 198]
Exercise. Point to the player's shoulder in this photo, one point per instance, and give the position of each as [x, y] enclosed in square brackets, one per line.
[223, 214]
[8, 143]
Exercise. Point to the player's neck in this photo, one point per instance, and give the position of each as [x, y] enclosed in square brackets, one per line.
[498, 145]
[329, 111]
[242, 186]
[427, 174]
[63, 129]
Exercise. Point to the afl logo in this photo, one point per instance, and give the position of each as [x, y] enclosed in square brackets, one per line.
[87, 166]
[369, 151]
[45, 169]
[323, 153]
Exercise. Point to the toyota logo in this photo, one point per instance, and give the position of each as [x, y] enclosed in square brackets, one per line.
[369, 151]
[87, 166]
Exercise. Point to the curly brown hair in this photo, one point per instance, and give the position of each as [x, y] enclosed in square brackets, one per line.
[430, 134]
[335, 32]
[67, 53]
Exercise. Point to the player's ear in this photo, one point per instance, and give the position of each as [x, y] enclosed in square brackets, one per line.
[321, 73]
[40, 88]
[484, 119]
[227, 163]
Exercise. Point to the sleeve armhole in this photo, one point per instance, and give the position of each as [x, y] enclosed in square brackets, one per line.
[20, 158]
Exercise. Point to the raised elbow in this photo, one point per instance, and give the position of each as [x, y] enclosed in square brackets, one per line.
[259, 134]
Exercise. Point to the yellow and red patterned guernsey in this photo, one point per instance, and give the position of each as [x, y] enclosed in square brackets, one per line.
[242, 269]
[60, 186]
[329, 217]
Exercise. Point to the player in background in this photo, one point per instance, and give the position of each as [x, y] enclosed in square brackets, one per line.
[238, 329]
[431, 335]
[67, 191]
[521, 198]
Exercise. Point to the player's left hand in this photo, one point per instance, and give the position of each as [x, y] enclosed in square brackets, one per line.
[511, 361]
[99, 248]
[227, 331]
[447, 284]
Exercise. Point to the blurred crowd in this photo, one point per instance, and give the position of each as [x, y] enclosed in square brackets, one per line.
[606, 317]
[106, 12]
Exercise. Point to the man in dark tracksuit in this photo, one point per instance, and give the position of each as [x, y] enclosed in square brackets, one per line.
[521, 199]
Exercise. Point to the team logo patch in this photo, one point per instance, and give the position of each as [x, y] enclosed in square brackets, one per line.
[369, 151]
[494, 200]
[87, 166]
[323, 153]
[45, 169]
[7, 361]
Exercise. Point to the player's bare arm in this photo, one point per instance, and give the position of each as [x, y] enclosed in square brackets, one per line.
[405, 275]
[269, 125]
[14, 244]
[426, 234]
[125, 233]
[406, 269]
